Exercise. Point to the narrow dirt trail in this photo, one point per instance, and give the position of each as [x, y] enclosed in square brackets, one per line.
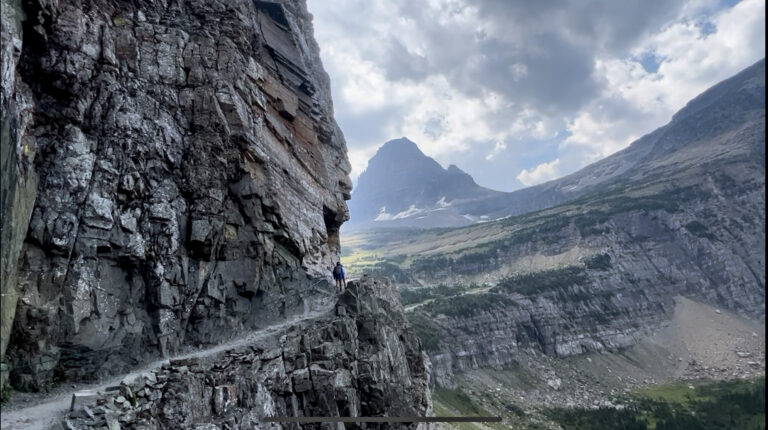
[49, 409]
[470, 291]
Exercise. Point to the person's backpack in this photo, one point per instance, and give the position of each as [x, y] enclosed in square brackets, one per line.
[337, 270]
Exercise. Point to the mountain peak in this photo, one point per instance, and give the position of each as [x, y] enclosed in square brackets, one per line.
[402, 146]
[399, 152]
[401, 183]
[404, 141]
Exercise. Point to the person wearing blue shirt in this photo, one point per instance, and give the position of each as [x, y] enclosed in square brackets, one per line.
[340, 276]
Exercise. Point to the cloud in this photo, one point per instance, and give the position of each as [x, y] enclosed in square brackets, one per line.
[635, 101]
[497, 148]
[403, 64]
[358, 158]
[476, 83]
[491, 45]
[541, 173]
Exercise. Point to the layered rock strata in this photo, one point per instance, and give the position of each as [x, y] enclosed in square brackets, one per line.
[648, 258]
[192, 180]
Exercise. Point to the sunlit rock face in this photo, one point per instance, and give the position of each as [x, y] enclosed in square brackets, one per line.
[192, 180]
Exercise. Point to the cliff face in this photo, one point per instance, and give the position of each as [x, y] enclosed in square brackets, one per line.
[18, 179]
[361, 362]
[192, 180]
[601, 279]
[582, 308]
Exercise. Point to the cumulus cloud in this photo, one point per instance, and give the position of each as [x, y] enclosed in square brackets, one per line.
[499, 77]
[541, 173]
[358, 158]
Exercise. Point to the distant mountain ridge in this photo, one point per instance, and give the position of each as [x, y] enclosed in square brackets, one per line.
[402, 187]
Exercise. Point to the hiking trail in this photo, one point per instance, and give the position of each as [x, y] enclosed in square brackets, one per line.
[50, 408]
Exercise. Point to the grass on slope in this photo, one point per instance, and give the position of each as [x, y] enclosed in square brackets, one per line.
[737, 404]
[477, 248]
[455, 403]
[410, 296]
[546, 280]
[468, 305]
[678, 392]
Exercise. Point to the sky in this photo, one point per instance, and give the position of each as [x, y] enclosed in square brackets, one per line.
[519, 92]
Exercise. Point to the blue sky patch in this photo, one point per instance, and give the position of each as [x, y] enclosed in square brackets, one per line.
[650, 61]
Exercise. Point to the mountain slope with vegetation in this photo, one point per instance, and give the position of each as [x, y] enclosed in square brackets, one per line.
[683, 217]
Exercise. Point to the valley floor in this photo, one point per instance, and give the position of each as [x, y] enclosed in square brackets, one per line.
[703, 404]
[700, 346]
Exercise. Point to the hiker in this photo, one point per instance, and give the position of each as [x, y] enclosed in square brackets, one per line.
[340, 276]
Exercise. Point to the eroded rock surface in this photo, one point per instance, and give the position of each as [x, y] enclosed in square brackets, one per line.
[192, 180]
[362, 361]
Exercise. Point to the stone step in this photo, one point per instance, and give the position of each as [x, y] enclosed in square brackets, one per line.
[82, 398]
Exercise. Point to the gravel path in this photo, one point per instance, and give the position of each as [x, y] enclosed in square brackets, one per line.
[43, 415]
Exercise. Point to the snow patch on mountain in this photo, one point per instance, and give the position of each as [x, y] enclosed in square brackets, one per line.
[384, 216]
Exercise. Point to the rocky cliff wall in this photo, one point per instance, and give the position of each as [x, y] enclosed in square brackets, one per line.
[358, 358]
[192, 179]
[18, 179]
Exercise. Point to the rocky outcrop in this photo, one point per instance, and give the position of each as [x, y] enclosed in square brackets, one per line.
[494, 329]
[192, 180]
[362, 361]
